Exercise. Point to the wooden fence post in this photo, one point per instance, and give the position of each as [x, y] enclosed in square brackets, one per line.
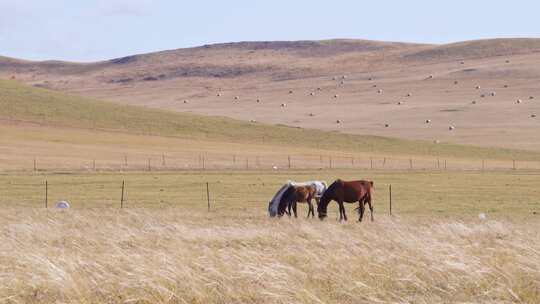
[122, 197]
[384, 162]
[247, 163]
[410, 163]
[483, 165]
[163, 160]
[445, 164]
[330, 161]
[46, 194]
[371, 163]
[289, 161]
[390, 196]
[35, 165]
[94, 165]
[208, 195]
[438, 164]
[149, 164]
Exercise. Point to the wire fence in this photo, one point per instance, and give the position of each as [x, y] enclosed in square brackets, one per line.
[218, 161]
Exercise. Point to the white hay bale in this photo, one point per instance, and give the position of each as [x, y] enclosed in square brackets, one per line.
[252, 120]
[218, 94]
[436, 141]
[451, 128]
[62, 205]
[236, 97]
[478, 87]
[379, 91]
[336, 96]
[311, 94]
[462, 62]
[518, 101]
[482, 216]
[428, 121]
[283, 105]
[274, 167]
[338, 121]
[343, 77]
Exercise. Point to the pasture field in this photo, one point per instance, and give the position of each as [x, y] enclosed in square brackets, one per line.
[165, 247]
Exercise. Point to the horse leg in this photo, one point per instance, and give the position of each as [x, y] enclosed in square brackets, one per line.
[310, 210]
[370, 209]
[361, 209]
[340, 205]
[294, 209]
[289, 205]
[344, 214]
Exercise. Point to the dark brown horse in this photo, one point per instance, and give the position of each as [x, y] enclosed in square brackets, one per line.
[297, 194]
[349, 192]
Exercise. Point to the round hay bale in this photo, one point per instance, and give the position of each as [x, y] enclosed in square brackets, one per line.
[430, 77]
[428, 121]
[252, 120]
[533, 115]
[399, 103]
[319, 89]
[478, 87]
[374, 85]
[290, 91]
[462, 62]
[473, 102]
[507, 61]
[342, 82]
[218, 94]
[409, 94]
[344, 77]
[258, 100]
[336, 96]
[379, 91]
[311, 94]
[506, 86]
[482, 216]
[311, 114]
[483, 95]
[63, 204]
[283, 105]
[334, 78]
[236, 97]
[338, 121]
[436, 141]
[492, 93]
[451, 128]
[185, 101]
[370, 78]
[274, 167]
[518, 101]
[531, 97]
[455, 82]
[386, 125]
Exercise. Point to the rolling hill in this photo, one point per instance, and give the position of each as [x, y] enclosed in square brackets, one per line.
[471, 86]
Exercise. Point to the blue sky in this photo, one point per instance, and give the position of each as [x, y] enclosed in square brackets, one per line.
[85, 30]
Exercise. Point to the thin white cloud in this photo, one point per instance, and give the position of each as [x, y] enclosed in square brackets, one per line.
[116, 8]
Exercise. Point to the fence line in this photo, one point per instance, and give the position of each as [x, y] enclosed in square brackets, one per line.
[209, 161]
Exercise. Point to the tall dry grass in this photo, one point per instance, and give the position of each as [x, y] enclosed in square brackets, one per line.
[171, 256]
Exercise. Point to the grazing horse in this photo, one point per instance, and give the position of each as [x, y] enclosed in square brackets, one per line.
[299, 194]
[284, 198]
[349, 192]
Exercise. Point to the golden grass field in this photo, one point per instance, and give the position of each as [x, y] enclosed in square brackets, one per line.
[165, 247]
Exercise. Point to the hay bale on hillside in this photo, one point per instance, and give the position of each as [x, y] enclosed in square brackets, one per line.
[430, 77]
[533, 115]
[186, 101]
[252, 120]
[386, 125]
[451, 128]
[462, 62]
[311, 94]
[344, 77]
[311, 114]
[455, 82]
[409, 94]
[336, 96]
[218, 94]
[374, 86]
[338, 121]
[399, 103]
[379, 91]
[492, 93]
[483, 95]
[283, 105]
[236, 97]
[478, 87]
[62, 205]
[319, 89]
[290, 91]
[258, 100]
[370, 78]
[518, 101]
[531, 97]
[506, 86]
[428, 121]
[473, 102]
